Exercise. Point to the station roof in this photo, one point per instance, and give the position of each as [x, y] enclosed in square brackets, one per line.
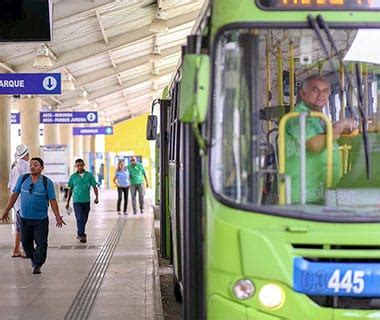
[120, 53]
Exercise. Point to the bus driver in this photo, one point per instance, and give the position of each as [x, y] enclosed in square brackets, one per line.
[314, 95]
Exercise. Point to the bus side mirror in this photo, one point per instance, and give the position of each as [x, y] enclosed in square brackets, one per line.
[194, 88]
[151, 128]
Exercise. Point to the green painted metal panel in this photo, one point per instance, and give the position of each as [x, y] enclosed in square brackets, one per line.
[227, 12]
[168, 243]
[194, 88]
[243, 244]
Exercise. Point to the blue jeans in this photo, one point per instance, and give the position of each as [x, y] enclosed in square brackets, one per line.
[35, 231]
[81, 210]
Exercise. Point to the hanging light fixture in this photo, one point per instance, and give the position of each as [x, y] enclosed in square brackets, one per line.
[155, 78]
[159, 23]
[155, 70]
[68, 83]
[155, 56]
[82, 99]
[42, 60]
[158, 26]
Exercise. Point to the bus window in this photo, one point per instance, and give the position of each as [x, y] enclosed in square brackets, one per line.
[249, 102]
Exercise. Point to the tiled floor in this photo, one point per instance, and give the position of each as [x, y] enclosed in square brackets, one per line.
[129, 289]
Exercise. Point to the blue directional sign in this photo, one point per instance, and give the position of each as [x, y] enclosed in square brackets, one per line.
[108, 130]
[15, 118]
[30, 83]
[69, 117]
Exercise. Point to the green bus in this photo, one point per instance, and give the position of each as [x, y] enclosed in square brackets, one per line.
[258, 223]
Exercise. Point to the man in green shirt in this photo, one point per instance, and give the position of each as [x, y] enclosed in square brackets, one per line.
[79, 186]
[314, 96]
[136, 175]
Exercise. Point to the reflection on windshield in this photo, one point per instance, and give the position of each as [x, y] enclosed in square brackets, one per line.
[286, 130]
[365, 47]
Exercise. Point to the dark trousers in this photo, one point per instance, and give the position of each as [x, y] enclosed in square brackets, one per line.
[35, 231]
[81, 210]
[140, 189]
[120, 192]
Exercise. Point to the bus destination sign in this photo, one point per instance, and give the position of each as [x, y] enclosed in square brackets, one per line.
[339, 5]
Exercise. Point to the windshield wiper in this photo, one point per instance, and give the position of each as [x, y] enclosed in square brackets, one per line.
[326, 29]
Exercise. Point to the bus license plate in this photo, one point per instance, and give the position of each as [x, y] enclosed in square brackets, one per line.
[336, 279]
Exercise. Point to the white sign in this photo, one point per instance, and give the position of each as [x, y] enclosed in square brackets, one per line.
[56, 162]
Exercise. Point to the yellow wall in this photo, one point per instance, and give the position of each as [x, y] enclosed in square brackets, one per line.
[129, 137]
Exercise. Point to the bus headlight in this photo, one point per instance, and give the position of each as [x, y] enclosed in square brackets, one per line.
[272, 296]
[243, 289]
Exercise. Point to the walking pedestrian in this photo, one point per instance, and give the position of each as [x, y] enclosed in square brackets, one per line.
[136, 174]
[100, 175]
[121, 180]
[20, 167]
[36, 192]
[80, 183]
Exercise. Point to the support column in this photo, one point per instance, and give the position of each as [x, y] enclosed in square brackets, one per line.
[5, 154]
[30, 124]
[92, 154]
[50, 134]
[86, 151]
[78, 146]
[66, 137]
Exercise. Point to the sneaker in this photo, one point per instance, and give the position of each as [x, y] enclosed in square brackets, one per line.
[119, 213]
[36, 270]
[83, 239]
[134, 212]
[142, 211]
[125, 213]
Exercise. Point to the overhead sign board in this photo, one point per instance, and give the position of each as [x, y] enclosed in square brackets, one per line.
[69, 117]
[108, 130]
[30, 83]
[15, 117]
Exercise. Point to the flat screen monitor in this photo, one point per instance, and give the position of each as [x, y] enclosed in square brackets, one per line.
[25, 20]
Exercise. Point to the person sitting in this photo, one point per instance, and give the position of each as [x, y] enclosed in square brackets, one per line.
[314, 95]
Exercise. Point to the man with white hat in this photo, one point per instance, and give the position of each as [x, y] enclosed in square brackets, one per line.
[21, 167]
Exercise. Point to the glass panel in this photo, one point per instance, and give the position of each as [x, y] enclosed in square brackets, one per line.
[261, 75]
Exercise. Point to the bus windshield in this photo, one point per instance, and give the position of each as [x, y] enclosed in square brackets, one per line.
[289, 118]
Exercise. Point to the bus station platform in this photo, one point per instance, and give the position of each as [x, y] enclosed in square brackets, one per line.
[112, 276]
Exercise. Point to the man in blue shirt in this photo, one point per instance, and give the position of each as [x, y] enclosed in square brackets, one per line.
[36, 192]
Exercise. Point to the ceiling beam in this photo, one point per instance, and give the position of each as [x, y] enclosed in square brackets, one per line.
[101, 26]
[127, 116]
[6, 67]
[122, 67]
[66, 12]
[88, 51]
[133, 102]
[107, 91]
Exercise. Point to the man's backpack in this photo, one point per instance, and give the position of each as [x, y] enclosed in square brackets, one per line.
[44, 181]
